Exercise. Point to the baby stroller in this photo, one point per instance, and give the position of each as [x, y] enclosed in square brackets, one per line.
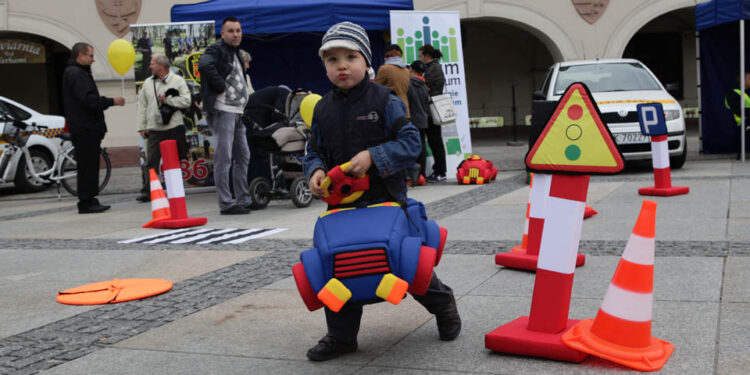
[284, 137]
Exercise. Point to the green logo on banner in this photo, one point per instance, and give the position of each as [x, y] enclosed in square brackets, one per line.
[446, 43]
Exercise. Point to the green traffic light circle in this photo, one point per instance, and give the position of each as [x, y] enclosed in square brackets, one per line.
[573, 152]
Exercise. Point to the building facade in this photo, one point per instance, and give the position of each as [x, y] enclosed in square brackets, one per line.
[508, 46]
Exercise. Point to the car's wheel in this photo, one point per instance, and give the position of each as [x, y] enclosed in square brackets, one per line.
[300, 192]
[676, 162]
[260, 190]
[24, 181]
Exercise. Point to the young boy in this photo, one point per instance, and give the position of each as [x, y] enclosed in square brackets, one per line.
[363, 123]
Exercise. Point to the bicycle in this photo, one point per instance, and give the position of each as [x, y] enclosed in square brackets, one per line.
[63, 170]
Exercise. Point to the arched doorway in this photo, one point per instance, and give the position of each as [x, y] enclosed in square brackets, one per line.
[667, 46]
[505, 64]
[32, 67]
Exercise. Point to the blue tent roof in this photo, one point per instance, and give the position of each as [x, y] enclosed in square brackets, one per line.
[287, 16]
[716, 12]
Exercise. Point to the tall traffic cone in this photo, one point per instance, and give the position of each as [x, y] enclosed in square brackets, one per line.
[526, 255]
[159, 202]
[175, 190]
[621, 331]
[662, 172]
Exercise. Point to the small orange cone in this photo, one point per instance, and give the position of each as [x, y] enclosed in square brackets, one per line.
[159, 202]
[621, 331]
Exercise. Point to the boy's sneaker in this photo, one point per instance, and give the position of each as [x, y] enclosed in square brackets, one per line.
[329, 348]
[436, 177]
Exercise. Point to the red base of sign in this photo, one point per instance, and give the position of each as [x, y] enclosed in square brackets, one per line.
[180, 223]
[664, 191]
[516, 338]
[525, 261]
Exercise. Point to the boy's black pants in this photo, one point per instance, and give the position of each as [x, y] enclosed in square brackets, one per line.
[344, 325]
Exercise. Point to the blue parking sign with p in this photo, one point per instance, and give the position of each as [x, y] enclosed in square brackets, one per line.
[651, 118]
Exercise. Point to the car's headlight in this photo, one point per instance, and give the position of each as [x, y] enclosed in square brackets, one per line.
[671, 114]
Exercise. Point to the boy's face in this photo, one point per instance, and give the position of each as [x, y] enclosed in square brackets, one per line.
[344, 67]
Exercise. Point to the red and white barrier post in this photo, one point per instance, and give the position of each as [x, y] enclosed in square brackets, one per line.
[662, 172]
[540, 333]
[527, 258]
[175, 190]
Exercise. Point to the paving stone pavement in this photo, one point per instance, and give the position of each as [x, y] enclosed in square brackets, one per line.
[702, 283]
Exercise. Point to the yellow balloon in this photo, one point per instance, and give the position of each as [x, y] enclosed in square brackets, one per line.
[121, 56]
[307, 106]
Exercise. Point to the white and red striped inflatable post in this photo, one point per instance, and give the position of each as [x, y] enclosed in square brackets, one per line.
[662, 172]
[175, 190]
[539, 334]
[537, 211]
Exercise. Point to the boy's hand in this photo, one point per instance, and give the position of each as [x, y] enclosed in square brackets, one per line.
[315, 180]
[360, 164]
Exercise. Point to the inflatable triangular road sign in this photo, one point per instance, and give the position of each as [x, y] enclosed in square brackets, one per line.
[575, 139]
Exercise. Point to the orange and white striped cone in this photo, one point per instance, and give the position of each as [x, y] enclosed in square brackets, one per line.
[621, 331]
[540, 333]
[526, 258]
[159, 202]
[662, 173]
[175, 190]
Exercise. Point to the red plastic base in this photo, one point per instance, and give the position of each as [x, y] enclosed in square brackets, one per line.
[664, 192]
[515, 338]
[525, 261]
[180, 223]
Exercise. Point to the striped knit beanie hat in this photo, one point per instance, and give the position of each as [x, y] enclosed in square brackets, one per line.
[347, 35]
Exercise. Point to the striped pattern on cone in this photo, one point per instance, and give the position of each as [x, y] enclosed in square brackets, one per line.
[624, 316]
[550, 302]
[159, 203]
[537, 211]
[621, 331]
[175, 189]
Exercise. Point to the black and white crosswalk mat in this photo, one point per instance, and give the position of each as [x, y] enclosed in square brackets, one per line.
[205, 236]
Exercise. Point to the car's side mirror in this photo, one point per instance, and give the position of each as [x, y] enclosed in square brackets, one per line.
[539, 95]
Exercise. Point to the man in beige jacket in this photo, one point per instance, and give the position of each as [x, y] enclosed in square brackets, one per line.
[168, 90]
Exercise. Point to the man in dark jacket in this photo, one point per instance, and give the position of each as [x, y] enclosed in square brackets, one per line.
[224, 91]
[84, 113]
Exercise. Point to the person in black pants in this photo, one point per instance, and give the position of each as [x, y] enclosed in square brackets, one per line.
[84, 113]
[435, 80]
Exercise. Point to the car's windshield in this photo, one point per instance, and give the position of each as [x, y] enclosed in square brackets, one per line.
[606, 77]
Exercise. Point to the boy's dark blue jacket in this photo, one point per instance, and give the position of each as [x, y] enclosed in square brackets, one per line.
[345, 123]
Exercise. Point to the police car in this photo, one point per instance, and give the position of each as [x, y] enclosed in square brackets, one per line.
[42, 147]
[618, 86]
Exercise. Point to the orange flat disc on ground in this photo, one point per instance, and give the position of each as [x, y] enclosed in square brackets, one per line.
[113, 291]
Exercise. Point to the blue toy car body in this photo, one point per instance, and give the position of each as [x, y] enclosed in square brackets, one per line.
[358, 247]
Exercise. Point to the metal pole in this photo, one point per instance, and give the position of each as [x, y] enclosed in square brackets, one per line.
[742, 89]
[513, 98]
[698, 89]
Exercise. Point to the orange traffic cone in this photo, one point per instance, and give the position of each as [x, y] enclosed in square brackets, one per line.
[621, 331]
[159, 202]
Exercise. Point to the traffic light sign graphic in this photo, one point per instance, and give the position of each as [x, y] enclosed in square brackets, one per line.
[575, 139]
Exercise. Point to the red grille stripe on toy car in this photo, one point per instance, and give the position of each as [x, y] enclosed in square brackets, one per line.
[362, 266]
[360, 253]
[373, 258]
[360, 263]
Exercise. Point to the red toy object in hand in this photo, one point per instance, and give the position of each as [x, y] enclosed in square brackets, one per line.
[475, 169]
[339, 187]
